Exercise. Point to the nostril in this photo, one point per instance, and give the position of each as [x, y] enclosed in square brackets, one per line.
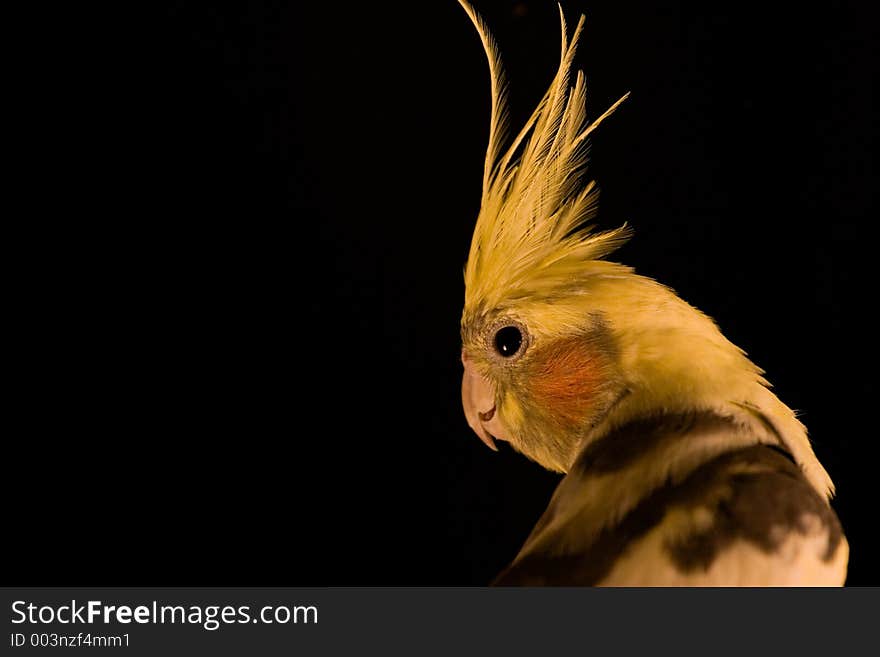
[488, 415]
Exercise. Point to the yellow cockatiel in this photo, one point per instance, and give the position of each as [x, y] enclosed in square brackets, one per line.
[682, 467]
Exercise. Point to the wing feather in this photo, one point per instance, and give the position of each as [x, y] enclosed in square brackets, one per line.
[744, 516]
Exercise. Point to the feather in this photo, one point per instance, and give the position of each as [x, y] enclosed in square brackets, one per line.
[690, 499]
[665, 429]
[498, 120]
[532, 230]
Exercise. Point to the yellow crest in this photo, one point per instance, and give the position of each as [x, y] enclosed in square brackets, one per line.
[532, 238]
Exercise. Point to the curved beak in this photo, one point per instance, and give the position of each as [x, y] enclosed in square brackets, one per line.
[478, 399]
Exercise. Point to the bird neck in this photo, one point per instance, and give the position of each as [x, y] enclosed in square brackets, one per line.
[674, 359]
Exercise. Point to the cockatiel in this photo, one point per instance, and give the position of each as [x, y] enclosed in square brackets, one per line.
[682, 467]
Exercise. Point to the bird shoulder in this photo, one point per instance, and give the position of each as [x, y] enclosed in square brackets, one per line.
[683, 500]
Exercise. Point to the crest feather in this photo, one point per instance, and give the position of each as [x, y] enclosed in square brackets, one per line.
[533, 234]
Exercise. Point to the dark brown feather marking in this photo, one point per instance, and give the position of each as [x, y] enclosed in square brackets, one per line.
[626, 444]
[762, 509]
[746, 506]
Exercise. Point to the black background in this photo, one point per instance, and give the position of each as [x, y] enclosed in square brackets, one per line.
[245, 230]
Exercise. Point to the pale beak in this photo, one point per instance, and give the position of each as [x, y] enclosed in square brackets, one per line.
[478, 399]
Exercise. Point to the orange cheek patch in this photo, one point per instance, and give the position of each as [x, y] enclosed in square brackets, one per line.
[566, 376]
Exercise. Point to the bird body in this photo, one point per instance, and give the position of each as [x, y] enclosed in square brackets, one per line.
[682, 466]
[721, 509]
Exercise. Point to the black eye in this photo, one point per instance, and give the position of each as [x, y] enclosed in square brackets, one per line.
[508, 340]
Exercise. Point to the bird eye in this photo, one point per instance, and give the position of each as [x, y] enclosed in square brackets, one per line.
[508, 341]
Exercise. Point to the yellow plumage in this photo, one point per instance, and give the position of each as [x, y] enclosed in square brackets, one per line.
[530, 238]
[563, 349]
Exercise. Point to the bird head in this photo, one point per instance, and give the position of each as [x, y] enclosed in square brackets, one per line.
[558, 344]
[540, 391]
[540, 357]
